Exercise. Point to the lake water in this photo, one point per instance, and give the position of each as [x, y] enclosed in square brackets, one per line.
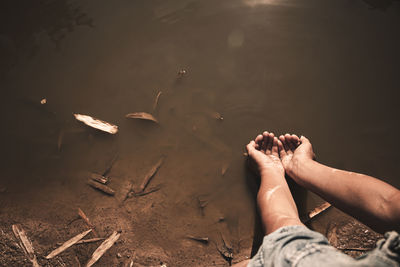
[328, 70]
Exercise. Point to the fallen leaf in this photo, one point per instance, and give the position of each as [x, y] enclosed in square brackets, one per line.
[97, 124]
[141, 115]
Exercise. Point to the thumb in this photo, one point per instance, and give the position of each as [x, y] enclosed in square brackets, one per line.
[304, 139]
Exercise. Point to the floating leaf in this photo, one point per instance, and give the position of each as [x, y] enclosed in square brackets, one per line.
[97, 124]
[142, 116]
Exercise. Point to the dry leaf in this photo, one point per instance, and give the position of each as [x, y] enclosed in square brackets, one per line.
[97, 124]
[141, 115]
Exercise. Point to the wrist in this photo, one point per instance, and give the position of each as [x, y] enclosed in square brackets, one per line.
[296, 166]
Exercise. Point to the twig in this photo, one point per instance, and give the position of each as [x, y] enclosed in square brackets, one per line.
[321, 208]
[107, 171]
[91, 240]
[67, 244]
[86, 219]
[151, 190]
[150, 175]
[156, 101]
[199, 239]
[103, 248]
[99, 178]
[356, 249]
[101, 187]
[25, 244]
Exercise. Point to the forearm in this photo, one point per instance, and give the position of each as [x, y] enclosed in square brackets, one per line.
[370, 200]
[276, 204]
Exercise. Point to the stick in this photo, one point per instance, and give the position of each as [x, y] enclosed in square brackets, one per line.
[356, 249]
[103, 248]
[25, 244]
[321, 208]
[151, 190]
[199, 239]
[150, 175]
[91, 240]
[99, 178]
[86, 219]
[156, 101]
[67, 244]
[60, 139]
[107, 171]
[101, 187]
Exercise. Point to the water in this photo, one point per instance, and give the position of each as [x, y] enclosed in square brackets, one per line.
[327, 70]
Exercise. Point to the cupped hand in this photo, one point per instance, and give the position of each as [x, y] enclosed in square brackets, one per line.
[294, 150]
[264, 156]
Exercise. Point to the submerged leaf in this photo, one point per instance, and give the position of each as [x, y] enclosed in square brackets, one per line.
[141, 115]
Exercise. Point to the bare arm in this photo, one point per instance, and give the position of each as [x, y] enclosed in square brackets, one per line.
[372, 201]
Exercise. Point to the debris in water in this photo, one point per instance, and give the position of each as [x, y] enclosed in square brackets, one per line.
[151, 190]
[25, 244]
[101, 187]
[150, 175]
[67, 244]
[182, 72]
[43, 101]
[321, 208]
[107, 171]
[86, 219]
[199, 239]
[99, 178]
[91, 240]
[103, 248]
[202, 204]
[156, 101]
[97, 124]
[142, 116]
[60, 139]
[224, 168]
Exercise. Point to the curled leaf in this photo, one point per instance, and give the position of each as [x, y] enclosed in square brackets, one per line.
[142, 116]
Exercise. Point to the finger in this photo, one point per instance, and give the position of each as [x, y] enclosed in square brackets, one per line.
[270, 143]
[250, 147]
[283, 141]
[304, 139]
[289, 142]
[265, 140]
[281, 149]
[296, 139]
[274, 150]
[258, 141]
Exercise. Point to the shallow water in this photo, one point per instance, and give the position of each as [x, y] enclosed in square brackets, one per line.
[324, 69]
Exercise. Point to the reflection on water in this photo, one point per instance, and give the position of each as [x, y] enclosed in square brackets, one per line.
[325, 70]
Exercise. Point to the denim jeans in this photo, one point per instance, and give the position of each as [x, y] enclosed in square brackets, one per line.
[301, 247]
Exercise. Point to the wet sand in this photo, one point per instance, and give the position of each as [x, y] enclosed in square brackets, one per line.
[325, 70]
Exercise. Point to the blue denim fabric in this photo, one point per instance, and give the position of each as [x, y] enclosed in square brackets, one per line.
[301, 247]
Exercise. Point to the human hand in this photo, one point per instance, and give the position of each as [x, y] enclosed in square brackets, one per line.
[263, 155]
[294, 150]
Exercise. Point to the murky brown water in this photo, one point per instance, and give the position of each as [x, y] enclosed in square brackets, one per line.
[324, 69]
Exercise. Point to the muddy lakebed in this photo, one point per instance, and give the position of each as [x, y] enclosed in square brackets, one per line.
[226, 70]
